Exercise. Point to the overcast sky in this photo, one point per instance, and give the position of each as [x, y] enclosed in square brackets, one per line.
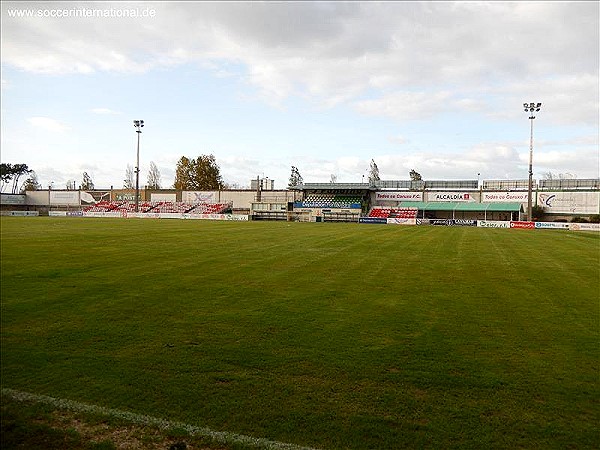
[324, 86]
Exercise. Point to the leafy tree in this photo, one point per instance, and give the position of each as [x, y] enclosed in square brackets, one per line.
[182, 173]
[373, 173]
[414, 175]
[295, 178]
[537, 212]
[5, 173]
[560, 176]
[87, 184]
[31, 183]
[12, 172]
[200, 174]
[129, 182]
[153, 177]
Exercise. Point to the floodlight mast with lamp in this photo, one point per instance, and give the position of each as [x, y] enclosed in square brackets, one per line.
[138, 124]
[531, 108]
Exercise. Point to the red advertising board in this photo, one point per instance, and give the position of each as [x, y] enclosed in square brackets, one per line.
[524, 225]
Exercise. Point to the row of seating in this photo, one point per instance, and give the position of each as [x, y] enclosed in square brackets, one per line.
[385, 213]
[159, 207]
[330, 201]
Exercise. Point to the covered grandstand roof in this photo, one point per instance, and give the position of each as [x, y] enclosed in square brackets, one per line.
[464, 206]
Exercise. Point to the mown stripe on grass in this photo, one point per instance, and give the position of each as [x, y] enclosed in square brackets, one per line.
[221, 437]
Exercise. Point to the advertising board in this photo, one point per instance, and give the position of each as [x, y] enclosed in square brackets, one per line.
[401, 221]
[584, 226]
[101, 214]
[450, 197]
[399, 196]
[70, 198]
[463, 223]
[552, 225]
[158, 197]
[199, 197]
[491, 197]
[129, 215]
[372, 220]
[12, 199]
[447, 222]
[440, 222]
[25, 213]
[126, 196]
[522, 225]
[570, 202]
[493, 224]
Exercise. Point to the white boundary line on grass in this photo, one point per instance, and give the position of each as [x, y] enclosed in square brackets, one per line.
[222, 437]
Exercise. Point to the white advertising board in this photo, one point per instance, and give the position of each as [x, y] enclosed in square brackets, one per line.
[491, 197]
[154, 197]
[70, 198]
[130, 215]
[12, 199]
[25, 213]
[450, 197]
[102, 214]
[401, 221]
[570, 202]
[493, 224]
[399, 196]
[584, 226]
[552, 225]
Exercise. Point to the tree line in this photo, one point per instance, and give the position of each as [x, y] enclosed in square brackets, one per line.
[10, 174]
[199, 174]
[296, 179]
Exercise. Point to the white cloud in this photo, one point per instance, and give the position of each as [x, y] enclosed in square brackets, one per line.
[398, 140]
[371, 55]
[48, 124]
[104, 111]
[490, 160]
[406, 105]
[399, 60]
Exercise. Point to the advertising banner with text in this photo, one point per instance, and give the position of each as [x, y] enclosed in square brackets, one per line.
[399, 196]
[516, 197]
[70, 198]
[199, 197]
[372, 220]
[552, 225]
[584, 226]
[447, 222]
[570, 202]
[493, 224]
[401, 221]
[450, 197]
[522, 225]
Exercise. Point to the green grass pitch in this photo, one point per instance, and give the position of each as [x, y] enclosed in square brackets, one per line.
[325, 335]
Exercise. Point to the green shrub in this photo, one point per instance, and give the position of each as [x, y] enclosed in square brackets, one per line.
[578, 219]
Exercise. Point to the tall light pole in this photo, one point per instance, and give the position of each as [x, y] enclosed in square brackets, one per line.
[530, 108]
[138, 124]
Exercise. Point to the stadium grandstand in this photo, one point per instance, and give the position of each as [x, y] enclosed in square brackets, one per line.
[158, 207]
[385, 213]
[381, 201]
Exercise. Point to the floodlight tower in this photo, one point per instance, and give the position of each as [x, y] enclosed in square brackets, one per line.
[138, 124]
[530, 108]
